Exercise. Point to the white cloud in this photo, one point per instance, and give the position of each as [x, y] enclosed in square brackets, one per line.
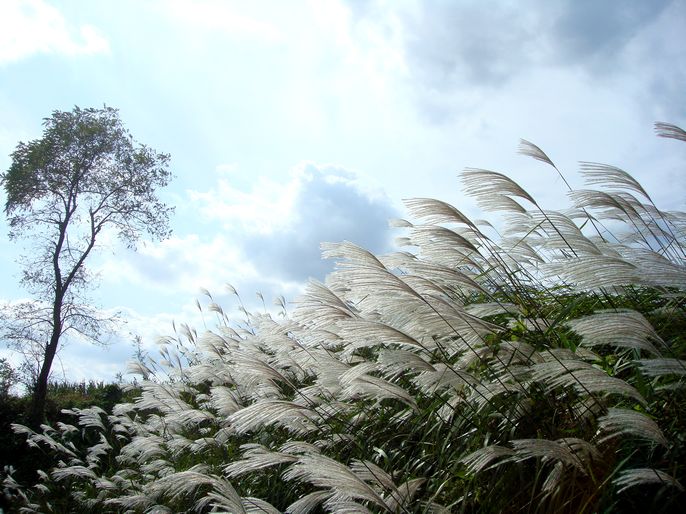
[220, 16]
[262, 238]
[279, 226]
[29, 27]
[181, 264]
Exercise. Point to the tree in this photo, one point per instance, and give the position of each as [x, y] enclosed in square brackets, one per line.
[8, 378]
[85, 177]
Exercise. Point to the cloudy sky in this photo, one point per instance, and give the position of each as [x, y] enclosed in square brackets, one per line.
[292, 123]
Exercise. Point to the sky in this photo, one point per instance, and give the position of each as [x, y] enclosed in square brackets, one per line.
[294, 123]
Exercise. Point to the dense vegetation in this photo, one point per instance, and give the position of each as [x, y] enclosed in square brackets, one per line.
[15, 407]
[535, 364]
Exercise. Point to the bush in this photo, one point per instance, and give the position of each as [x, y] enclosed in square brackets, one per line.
[536, 368]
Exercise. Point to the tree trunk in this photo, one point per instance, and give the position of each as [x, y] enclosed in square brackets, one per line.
[40, 392]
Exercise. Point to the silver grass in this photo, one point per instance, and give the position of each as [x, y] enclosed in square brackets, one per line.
[531, 324]
[446, 277]
[324, 472]
[436, 211]
[586, 452]
[215, 372]
[643, 476]
[519, 250]
[224, 400]
[375, 388]
[345, 507]
[619, 422]
[222, 496]
[256, 457]
[611, 177]
[590, 273]
[373, 475]
[328, 409]
[73, 472]
[360, 333]
[583, 378]
[35, 439]
[189, 417]
[560, 233]
[138, 368]
[399, 327]
[211, 342]
[177, 485]
[257, 377]
[320, 307]
[553, 479]
[482, 310]
[531, 150]
[399, 223]
[545, 449]
[435, 508]
[395, 497]
[329, 372]
[606, 206]
[291, 416]
[589, 409]
[444, 317]
[258, 506]
[98, 450]
[655, 269]
[662, 366]
[415, 318]
[565, 354]
[620, 328]
[486, 457]
[483, 184]
[202, 443]
[510, 353]
[436, 236]
[350, 252]
[485, 392]
[404, 495]
[428, 290]
[157, 467]
[130, 502]
[66, 428]
[299, 447]
[92, 417]
[142, 448]
[670, 131]
[498, 202]
[395, 362]
[309, 502]
[444, 377]
[369, 281]
[42, 488]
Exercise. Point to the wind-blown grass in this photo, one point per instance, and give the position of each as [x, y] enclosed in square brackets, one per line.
[537, 368]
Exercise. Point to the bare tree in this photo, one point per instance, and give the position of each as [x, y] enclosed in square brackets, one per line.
[84, 176]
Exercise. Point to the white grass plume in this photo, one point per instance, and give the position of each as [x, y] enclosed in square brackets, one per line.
[620, 328]
[642, 476]
[618, 422]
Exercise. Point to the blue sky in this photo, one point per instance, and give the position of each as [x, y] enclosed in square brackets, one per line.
[292, 123]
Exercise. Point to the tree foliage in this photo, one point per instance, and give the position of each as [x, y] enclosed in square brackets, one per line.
[85, 176]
